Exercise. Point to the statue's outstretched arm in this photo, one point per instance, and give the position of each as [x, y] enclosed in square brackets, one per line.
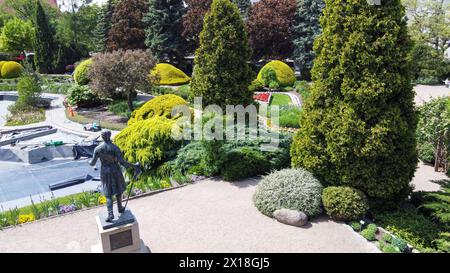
[94, 158]
[123, 162]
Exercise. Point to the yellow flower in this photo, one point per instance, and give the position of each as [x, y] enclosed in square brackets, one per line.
[26, 218]
[102, 200]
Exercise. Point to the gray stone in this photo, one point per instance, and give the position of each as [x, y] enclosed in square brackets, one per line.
[290, 217]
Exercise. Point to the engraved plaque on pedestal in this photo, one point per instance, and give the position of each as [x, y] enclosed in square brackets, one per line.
[120, 236]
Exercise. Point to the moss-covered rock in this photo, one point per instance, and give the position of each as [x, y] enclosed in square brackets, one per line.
[159, 106]
[168, 74]
[11, 70]
[81, 73]
[284, 74]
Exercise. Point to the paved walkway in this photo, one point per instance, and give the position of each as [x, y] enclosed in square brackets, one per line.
[425, 93]
[209, 216]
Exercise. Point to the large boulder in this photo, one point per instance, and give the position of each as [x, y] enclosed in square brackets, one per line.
[290, 217]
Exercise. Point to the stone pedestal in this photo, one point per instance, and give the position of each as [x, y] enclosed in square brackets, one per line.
[119, 236]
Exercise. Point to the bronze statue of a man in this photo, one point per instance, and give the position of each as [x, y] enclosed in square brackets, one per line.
[113, 182]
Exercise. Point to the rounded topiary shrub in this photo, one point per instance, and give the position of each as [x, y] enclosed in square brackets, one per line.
[11, 70]
[81, 73]
[285, 76]
[159, 106]
[168, 74]
[344, 203]
[295, 189]
[148, 141]
[1, 65]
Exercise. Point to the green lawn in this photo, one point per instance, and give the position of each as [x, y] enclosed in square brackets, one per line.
[280, 99]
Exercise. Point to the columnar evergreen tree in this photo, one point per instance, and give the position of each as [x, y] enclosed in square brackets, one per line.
[127, 28]
[44, 40]
[221, 71]
[358, 126]
[305, 29]
[164, 27]
[104, 25]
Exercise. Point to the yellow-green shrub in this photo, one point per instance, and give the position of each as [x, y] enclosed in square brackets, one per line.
[80, 75]
[168, 74]
[159, 106]
[147, 141]
[1, 64]
[285, 74]
[11, 70]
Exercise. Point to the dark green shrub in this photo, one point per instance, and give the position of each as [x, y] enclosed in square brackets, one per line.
[82, 96]
[295, 189]
[357, 128]
[344, 203]
[243, 163]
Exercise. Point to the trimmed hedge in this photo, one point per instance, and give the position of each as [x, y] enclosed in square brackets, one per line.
[81, 73]
[344, 203]
[159, 106]
[11, 70]
[168, 74]
[284, 74]
[295, 189]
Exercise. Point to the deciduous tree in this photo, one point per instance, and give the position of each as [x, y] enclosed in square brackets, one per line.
[127, 28]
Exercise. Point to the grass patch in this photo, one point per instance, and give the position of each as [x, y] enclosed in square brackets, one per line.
[290, 117]
[280, 99]
[57, 88]
[25, 117]
[8, 87]
[104, 124]
[120, 108]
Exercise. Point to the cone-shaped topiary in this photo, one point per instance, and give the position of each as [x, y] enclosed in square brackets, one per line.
[221, 72]
[285, 75]
[11, 70]
[81, 73]
[167, 74]
[357, 127]
[159, 106]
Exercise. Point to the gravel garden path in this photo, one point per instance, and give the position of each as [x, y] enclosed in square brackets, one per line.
[208, 216]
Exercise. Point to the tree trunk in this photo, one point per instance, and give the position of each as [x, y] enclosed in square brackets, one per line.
[130, 100]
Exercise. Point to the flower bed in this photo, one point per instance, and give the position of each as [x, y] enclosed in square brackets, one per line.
[262, 97]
